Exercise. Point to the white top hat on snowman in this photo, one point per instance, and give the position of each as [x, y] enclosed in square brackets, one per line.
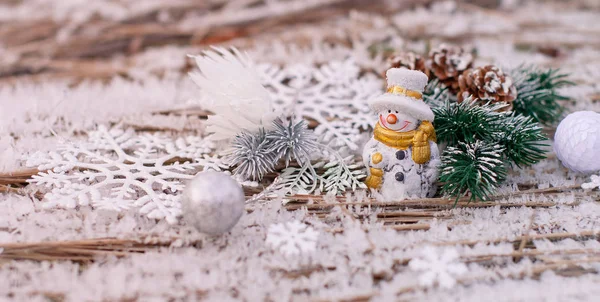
[404, 94]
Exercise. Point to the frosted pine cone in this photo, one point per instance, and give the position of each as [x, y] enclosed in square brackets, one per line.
[447, 62]
[409, 60]
[487, 84]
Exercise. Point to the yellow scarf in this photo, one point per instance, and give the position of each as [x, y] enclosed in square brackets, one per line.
[418, 139]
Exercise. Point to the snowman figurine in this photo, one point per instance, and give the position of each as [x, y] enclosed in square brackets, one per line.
[402, 158]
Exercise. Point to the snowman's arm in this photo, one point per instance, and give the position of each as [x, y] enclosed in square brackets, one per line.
[373, 157]
[432, 166]
[435, 151]
[374, 161]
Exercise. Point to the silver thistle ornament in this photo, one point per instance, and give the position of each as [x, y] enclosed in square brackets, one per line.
[292, 141]
[253, 154]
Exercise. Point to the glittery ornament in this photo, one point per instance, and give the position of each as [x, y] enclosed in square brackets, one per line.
[213, 202]
[577, 141]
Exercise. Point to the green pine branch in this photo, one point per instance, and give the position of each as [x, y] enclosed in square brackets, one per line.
[435, 94]
[466, 122]
[522, 140]
[471, 130]
[537, 94]
[476, 169]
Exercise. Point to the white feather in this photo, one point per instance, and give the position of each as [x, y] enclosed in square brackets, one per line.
[234, 93]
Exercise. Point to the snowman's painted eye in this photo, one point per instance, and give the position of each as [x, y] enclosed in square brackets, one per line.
[396, 111]
[389, 111]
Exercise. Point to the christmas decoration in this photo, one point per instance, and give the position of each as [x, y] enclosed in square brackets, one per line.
[535, 238]
[257, 154]
[487, 84]
[293, 141]
[234, 93]
[253, 155]
[341, 174]
[257, 147]
[481, 142]
[409, 60]
[213, 202]
[332, 96]
[577, 141]
[530, 91]
[477, 168]
[292, 238]
[522, 140]
[466, 122]
[447, 62]
[438, 268]
[538, 93]
[402, 157]
[118, 170]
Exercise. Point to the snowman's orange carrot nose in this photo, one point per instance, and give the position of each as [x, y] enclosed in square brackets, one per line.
[391, 119]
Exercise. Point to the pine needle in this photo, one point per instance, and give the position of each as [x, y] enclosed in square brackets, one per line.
[466, 122]
[471, 131]
[537, 94]
[475, 168]
[522, 140]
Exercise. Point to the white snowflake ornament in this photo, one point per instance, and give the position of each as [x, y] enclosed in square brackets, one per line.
[292, 238]
[577, 141]
[117, 169]
[438, 268]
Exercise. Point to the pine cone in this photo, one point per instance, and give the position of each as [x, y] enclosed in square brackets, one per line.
[487, 84]
[409, 60]
[447, 62]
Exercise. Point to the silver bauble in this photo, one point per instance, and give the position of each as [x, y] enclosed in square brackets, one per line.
[577, 141]
[213, 202]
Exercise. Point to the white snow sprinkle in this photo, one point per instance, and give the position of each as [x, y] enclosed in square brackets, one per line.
[593, 184]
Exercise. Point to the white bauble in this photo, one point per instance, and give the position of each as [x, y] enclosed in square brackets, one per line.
[577, 141]
[213, 202]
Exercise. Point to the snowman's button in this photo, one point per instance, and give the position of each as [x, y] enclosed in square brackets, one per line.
[400, 176]
[400, 155]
